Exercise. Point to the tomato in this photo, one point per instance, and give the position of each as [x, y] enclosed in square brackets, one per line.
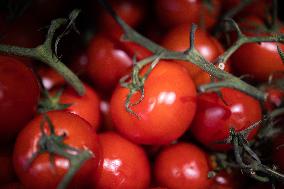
[124, 164]
[259, 60]
[214, 118]
[107, 123]
[109, 60]
[225, 180]
[86, 106]
[19, 95]
[177, 39]
[275, 98]
[7, 173]
[175, 12]
[166, 111]
[259, 8]
[131, 11]
[278, 151]
[182, 165]
[40, 173]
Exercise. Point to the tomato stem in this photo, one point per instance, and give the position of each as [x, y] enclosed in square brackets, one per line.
[45, 54]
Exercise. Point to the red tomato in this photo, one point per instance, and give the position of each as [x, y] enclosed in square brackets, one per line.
[86, 106]
[107, 123]
[124, 164]
[225, 180]
[275, 98]
[214, 118]
[109, 60]
[131, 11]
[40, 173]
[7, 173]
[182, 165]
[19, 95]
[175, 12]
[259, 60]
[166, 110]
[177, 39]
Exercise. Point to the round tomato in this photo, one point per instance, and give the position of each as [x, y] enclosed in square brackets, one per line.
[110, 59]
[166, 111]
[19, 95]
[86, 106]
[46, 170]
[124, 164]
[50, 78]
[182, 165]
[177, 39]
[225, 180]
[215, 116]
[175, 12]
[259, 60]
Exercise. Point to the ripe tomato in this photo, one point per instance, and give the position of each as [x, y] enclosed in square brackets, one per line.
[19, 95]
[131, 11]
[124, 164]
[259, 60]
[166, 110]
[175, 12]
[182, 165]
[275, 98]
[109, 60]
[86, 106]
[214, 118]
[225, 180]
[41, 172]
[177, 39]
[50, 78]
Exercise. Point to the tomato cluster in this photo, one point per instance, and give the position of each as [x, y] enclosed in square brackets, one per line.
[153, 130]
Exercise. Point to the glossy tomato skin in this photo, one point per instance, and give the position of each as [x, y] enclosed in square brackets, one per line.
[165, 112]
[259, 60]
[182, 165]
[214, 118]
[225, 180]
[86, 106]
[124, 164]
[40, 173]
[110, 59]
[50, 78]
[176, 12]
[177, 39]
[19, 95]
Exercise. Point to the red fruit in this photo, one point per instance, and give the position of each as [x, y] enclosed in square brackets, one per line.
[124, 164]
[166, 111]
[215, 117]
[182, 165]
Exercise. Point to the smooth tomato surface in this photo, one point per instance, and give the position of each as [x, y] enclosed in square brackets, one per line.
[124, 164]
[19, 95]
[175, 12]
[166, 110]
[177, 39]
[182, 165]
[40, 173]
[86, 106]
[214, 118]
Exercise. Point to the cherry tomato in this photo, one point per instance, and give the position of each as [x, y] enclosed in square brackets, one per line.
[124, 164]
[175, 12]
[131, 11]
[275, 98]
[86, 106]
[182, 165]
[259, 60]
[109, 60]
[225, 180]
[166, 111]
[19, 95]
[41, 172]
[177, 39]
[214, 117]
